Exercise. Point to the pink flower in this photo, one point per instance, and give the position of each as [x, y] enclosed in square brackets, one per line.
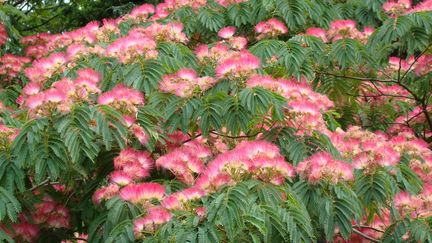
[408, 204]
[105, 193]
[321, 166]
[131, 47]
[156, 216]
[240, 65]
[183, 163]
[201, 212]
[3, 34]
[182, 200]
[142, 12]
[185, 83]
[120, 178]
[227, 32]
[270, 28]
[396, 6]
[317, 32]
[140, 193]
[26, 231]
[31, 89]
[123, 99]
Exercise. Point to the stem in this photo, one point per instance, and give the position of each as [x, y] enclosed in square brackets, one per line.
[412, 64]
[358, 78]
[234, 137]
[368, 227]
[365, 236]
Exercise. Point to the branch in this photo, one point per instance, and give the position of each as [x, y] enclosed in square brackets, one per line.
[365, 236]
[368, 227]
[78, 238]
[43, 183]
[380, 95]
[412, 64]
[191, 138]
[358, 78]
[235, 137]
[42, 24]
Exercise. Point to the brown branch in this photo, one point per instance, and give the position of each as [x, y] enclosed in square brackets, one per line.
[368, 227]
[365, 236]
[42, 24]
[235, 137]
[412, 64]
[43, 183]
[380, 95]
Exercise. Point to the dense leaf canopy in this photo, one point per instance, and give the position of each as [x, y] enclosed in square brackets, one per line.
[217, 121]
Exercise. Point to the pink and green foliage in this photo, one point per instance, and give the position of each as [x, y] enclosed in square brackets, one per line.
[222, 121]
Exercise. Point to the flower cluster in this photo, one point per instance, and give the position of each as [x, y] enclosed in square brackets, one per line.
[323, 167]
[396, 64]
[51, 214]
[123, 99]
[239, 65]
[130, 166]
[424, 64]
[235, 42]
[186, 161]
[183, 200]
[422, 6]
[396, 7]
[417, 206]
[130, 47]
[213, 54]
[419, 153]
[11, 66]
[227, 3]
[7, 135]
[44, 68]
[155, 217]
[367, 150]
[141, 13]
[340, 29]
[374, 227]
[305, 106]
[142, 193]
[108, 29]
[169, 6]
[23, 231]
[62, 94]
[185, 83]
[3, 34]
[258, 159]
[270, 28]
[171, 32]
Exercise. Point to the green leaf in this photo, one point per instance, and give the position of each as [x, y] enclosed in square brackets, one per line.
[211, 19]
[10, 205]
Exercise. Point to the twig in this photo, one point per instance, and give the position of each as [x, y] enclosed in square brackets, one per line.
[365, 236]
[412, 64]
[368, 227]
[359, 78]
[43, 183]
[380, 95]
[235, 137]
[78, 238]
[42, 24]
